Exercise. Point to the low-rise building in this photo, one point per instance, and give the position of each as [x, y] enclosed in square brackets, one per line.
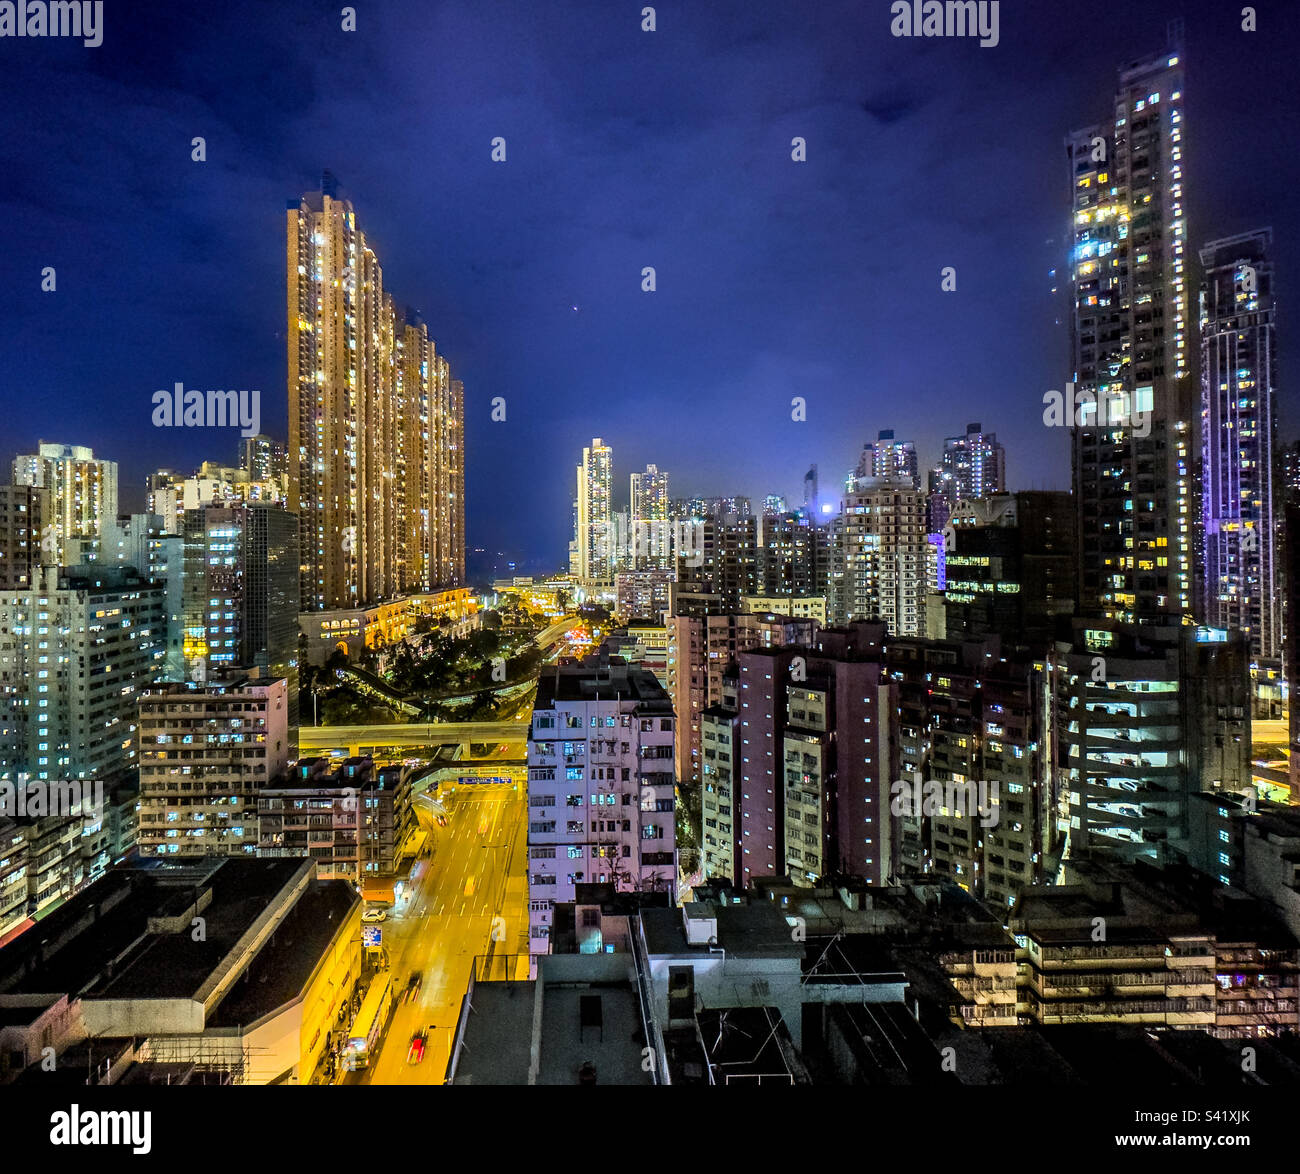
[348, 816]
[255, 1003]
[1139, 945]
[352, 630]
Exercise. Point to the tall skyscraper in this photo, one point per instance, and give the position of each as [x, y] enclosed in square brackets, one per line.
[449, 500]
[717, 564]
[595, 509]
[651, 521]
[1238, 426]
[879, 557]
[793, 556]
[972, 466]
[1131, 342]
[376, 442]
[888, 457]
[76, 649]
[810, 491]
[23, 510]
[263, 458]
[83, 492]
[241, 593]
[649, 494]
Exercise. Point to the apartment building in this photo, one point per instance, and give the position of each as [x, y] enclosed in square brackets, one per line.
[818, 753]
[600, 786]
[699, 650]
[76, 651]
[349, 817]
[206, 754]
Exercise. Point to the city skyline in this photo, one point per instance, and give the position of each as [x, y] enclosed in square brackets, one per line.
[681, 545]
[805, 313]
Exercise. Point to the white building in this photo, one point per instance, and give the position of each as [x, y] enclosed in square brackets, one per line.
[600, 787]
[593, 538]
[83, 490]
[75, 652]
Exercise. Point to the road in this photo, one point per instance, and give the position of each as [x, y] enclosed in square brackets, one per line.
[1270, 733]
[478, 873]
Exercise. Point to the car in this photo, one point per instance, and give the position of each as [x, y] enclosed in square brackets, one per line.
[413, 985]
[483, 826]
[469, 887]
[415, 1053]
[373, 915]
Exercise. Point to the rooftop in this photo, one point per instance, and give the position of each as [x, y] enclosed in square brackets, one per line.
[598, 680]
[101, 944]
[757, 930]
[282, 969]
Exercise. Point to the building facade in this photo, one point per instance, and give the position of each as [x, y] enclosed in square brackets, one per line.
[600, 787]
[206, 753]
[594, 538]
[1238, 431]
[879, 557]
[241, 593]
[76, 651]
[82, 491]
[376, 423]
[1133, 395]
[23, 513]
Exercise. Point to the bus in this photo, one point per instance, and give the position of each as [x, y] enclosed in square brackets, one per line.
[370, 1023]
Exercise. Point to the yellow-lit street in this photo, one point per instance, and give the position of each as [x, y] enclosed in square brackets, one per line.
[1269, 732]
[447, 918]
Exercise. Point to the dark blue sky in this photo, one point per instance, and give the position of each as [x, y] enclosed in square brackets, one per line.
[625, 149]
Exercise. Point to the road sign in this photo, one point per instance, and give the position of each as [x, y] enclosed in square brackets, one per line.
[370, 936]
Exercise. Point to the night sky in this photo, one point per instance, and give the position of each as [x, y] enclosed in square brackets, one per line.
[624, 149]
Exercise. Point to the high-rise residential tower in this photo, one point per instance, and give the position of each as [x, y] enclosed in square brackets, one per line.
[376, 435]
[649, 494]
[1133, 391]
[23, 510]
[878, 559]
[595, 508]
[264, 458]
[651, 521]
[83, 493]
[600, 762]
[241, 593]
[76, 649]
[887, 457]
[1238, 425]
[971, 466]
